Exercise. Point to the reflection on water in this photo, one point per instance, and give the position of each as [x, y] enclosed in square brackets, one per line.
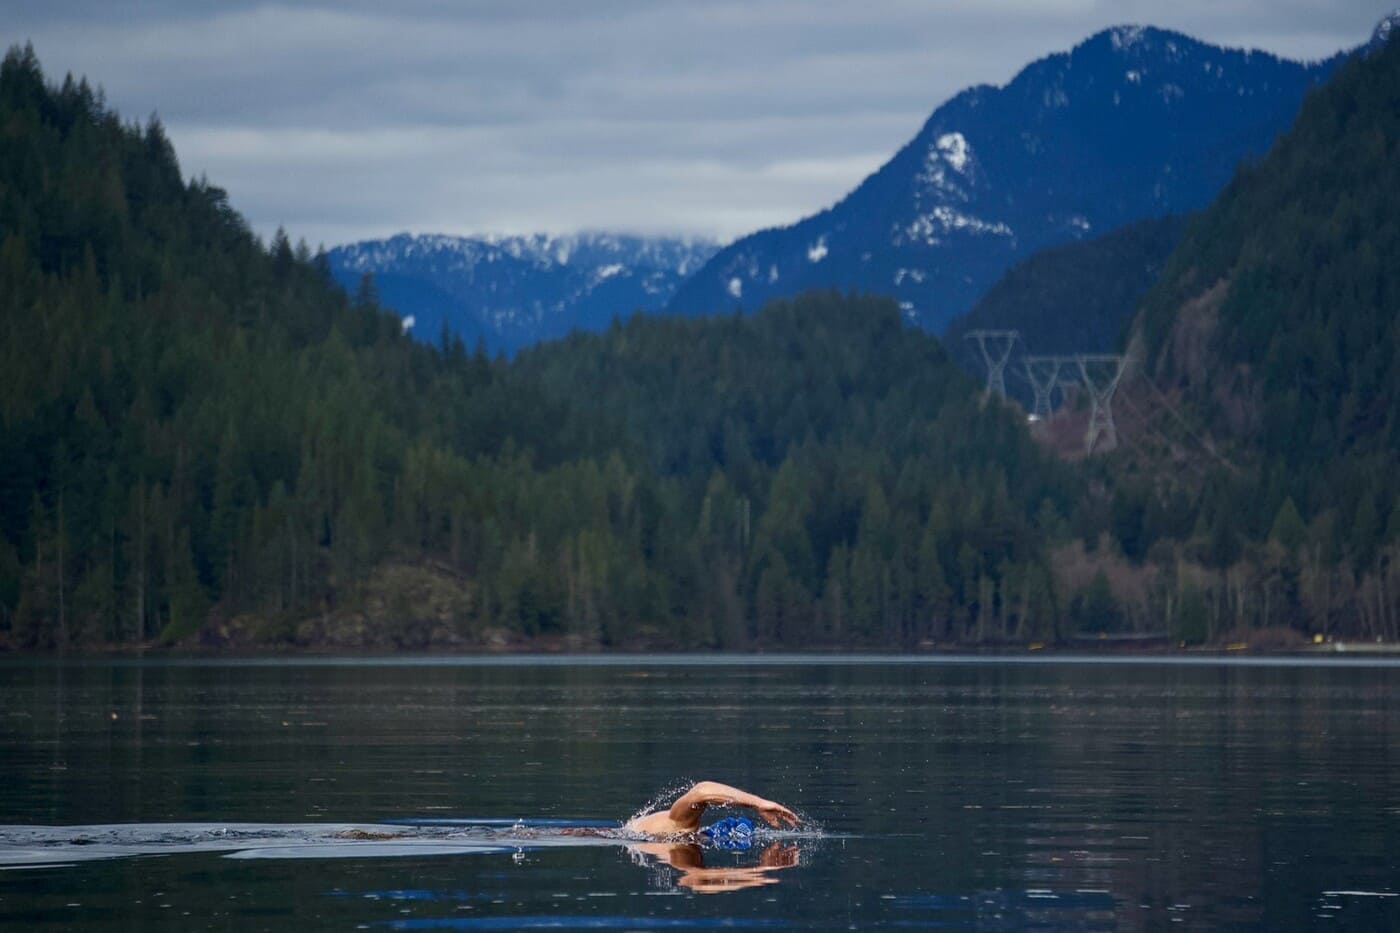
[968, 795]
[689, 861]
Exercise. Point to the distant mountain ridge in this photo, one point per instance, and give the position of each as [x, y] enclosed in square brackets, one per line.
[512, 291]
[1134, 122]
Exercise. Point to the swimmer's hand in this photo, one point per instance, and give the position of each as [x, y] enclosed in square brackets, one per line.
[775, 814]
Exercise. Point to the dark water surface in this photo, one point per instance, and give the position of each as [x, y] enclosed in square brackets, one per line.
[962, 794]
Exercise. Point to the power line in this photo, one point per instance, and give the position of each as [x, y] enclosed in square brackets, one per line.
[1043, 373]
[1108, 368]
[996, 346]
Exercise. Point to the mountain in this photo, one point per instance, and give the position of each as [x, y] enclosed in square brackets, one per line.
[1077, 297]
[206, 441]
[1386, 28]
[1133, 123]
[514, 291]
[1265, 435]
[203, 439]
[1275, 320]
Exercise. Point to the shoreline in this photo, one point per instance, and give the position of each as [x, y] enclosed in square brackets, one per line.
[558, 650]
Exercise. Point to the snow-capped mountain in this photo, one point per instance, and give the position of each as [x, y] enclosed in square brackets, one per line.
[515, 291]
[1386, 28]
[1134, 122]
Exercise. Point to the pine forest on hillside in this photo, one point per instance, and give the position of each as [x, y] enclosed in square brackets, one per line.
[215, 439]
[205, 441]
[1277, 327]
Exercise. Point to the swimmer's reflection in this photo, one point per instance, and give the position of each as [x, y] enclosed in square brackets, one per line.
[695, 875]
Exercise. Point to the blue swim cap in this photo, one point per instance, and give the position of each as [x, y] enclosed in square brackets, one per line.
[732, 832]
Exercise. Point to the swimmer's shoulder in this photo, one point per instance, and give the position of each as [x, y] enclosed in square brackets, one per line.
[656, 824]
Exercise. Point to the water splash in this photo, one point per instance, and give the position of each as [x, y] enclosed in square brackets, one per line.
[662, 799]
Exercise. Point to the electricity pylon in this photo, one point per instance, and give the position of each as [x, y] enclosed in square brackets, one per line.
[996, 348]
[1109, 368]
[1042, 372]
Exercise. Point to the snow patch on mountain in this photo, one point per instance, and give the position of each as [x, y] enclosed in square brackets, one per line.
[511, 291]
[930, 227]
[947, 170]
[955, 150]
[1132, 122]
[597, 250]
[1126, 37]
[1386, 28]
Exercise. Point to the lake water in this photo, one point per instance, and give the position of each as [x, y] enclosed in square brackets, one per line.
[952, 793]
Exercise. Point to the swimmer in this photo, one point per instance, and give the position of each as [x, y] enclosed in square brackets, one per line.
[684, 815]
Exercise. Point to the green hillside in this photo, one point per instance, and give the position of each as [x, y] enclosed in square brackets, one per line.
[205, 441]
[1276, 330]
[192, 421]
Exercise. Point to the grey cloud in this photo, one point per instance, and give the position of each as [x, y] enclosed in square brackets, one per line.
[356, 118]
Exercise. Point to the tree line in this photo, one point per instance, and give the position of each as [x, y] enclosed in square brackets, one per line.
[203, 433]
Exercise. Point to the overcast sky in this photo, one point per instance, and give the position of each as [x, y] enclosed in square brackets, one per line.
[348, 120]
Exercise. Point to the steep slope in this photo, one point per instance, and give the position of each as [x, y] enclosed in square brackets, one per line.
[511, 292]
[1132, 123]
[1272, 341]
[1278, 318]
[193, 427]
[1074, 298]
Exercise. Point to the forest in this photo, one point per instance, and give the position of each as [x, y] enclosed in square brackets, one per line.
[205, 442]
[1276, 328]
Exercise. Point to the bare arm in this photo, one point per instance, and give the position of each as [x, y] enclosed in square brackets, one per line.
[690, 806]
[684, 815]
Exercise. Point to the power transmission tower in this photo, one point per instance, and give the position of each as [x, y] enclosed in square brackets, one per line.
[996, 348]
[1109, 368]
[1042, 372]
